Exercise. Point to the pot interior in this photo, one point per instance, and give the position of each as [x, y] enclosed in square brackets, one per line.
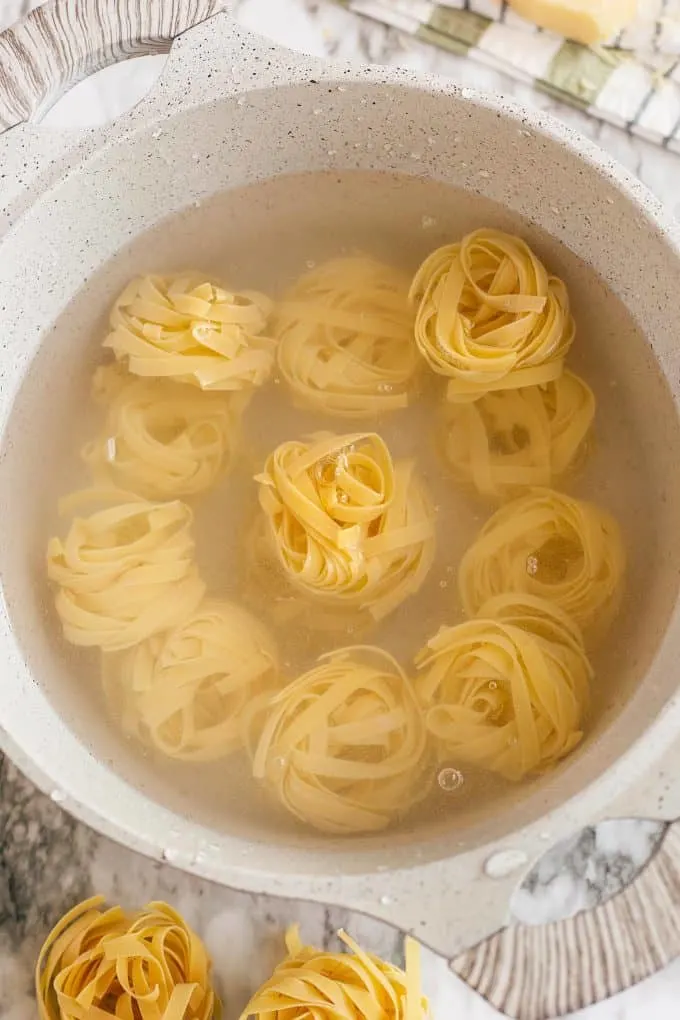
[261, 234]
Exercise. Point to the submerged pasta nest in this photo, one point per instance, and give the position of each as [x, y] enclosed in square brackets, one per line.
[519, 438]
[161, 439]
[187, 692]
[506, 692]
[315, 983]
[343, 746]
[125, 572]
[489, 316]
[348, 525]
[103, 962]
[548, 544]
[191, 330]
[345, 335]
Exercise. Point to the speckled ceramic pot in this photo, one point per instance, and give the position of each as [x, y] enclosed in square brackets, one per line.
[230, 110]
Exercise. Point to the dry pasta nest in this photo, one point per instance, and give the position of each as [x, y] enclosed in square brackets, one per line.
[102, 962]
[125, 572]
[489, 316]
[345, 334]
[189, 691]
[507, 691]
[161, 439]
[356, 985]
[191, 330]
[513, 439]
[549, 545]
[348, 525]
[343, 747]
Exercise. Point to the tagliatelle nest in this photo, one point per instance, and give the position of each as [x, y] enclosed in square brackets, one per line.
[345, 334]
[186, 692]
[314, 984]
[547, 544]
[100, 963]
[489, 316]
[513, 439]
[161, 439]
[349, 526]
[343, 746]
[189, 329]
[508, 691]
[125, 572]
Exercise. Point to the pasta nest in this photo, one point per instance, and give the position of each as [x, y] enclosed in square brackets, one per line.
[347, 524]
[506, 692]
[340, 986]
[345, 335]
[191, 330]
[160, 439]
[343, 746]
[188, 691]
[102, 962]
[489, 317]
[125, 572]
[550, 545]
[519, 438]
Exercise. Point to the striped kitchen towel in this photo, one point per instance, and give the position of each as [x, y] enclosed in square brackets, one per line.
[632, 81]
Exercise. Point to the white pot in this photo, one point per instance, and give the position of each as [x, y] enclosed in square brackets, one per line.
[230, 110]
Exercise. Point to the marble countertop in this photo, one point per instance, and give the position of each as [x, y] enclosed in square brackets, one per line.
[48, 861]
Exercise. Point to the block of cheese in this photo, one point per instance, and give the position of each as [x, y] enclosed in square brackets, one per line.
[586, 21]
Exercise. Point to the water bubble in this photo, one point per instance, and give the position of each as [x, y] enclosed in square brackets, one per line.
[385, 900]
[503, 863]
[332, 152]
[450, 779]
[443, 584]
[317, 110]
[493, 685]
[310, 263]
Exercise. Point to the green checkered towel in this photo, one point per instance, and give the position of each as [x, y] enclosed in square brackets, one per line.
[632, 81]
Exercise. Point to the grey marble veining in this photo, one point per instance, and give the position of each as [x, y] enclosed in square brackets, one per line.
[48, 861]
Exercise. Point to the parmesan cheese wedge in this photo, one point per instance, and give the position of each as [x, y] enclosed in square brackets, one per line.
[586, 21]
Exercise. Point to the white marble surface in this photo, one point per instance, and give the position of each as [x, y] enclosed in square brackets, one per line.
[48, 861]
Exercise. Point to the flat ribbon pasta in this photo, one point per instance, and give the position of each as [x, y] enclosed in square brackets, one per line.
[99, 963]
[186, 692]
[345, 334]
[348, 525]
[191, 330]
[343, 746]
[315, 984]
[125, 572]
[161, 439]
[512, 439]
[547, 544]
[506, 692]
[489, 316]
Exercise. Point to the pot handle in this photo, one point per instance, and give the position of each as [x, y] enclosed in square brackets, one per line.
[541, 972]
[64, 41]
